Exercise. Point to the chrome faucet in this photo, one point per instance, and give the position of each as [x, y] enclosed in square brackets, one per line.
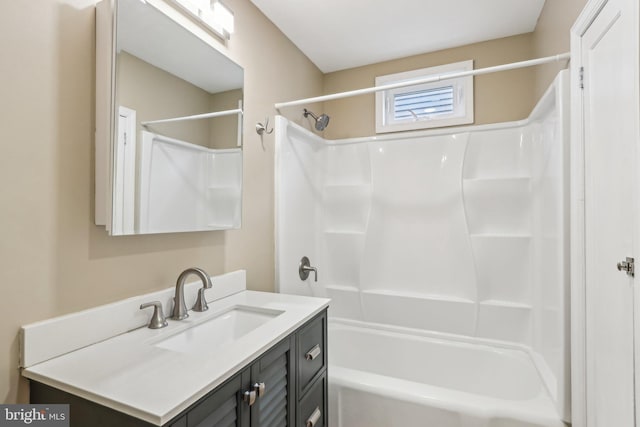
[179, 305]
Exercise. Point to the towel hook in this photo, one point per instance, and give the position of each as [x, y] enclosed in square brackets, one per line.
[261, 129]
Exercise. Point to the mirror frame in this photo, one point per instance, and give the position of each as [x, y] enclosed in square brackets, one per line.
[106, 99]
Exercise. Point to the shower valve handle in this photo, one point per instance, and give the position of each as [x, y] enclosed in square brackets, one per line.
[305, 268]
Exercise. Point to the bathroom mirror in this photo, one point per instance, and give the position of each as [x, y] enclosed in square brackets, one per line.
[174, 138]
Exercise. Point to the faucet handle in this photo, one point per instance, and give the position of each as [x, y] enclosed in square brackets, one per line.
[304, 268]
[157, 319]
[201, 302]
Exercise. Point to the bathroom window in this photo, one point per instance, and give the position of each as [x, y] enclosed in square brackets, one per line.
[444, 103]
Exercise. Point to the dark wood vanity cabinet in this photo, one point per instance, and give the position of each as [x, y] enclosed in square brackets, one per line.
[311, 361]
[257, 396]
[285, 386]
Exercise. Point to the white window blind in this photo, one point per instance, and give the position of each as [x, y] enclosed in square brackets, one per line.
[423, 103]
[443, 103]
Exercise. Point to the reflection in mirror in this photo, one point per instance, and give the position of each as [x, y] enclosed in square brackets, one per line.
[171, 171]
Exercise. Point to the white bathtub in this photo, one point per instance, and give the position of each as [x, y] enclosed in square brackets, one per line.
[390, 377]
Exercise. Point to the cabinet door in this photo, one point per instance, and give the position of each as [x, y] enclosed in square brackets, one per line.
[182, 422]
[275, 407]
[222, 408]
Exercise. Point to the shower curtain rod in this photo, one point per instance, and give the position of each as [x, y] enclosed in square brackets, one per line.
[195, 117]
[430, 79]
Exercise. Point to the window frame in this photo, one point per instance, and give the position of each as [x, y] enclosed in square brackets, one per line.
[463, 98]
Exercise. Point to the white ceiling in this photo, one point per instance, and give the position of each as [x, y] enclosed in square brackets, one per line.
[341, 34]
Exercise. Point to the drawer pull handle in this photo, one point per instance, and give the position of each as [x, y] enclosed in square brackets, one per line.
[314, 417]
[313, 353]
[249, 397]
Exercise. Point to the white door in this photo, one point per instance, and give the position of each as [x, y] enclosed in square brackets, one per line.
[609, 59]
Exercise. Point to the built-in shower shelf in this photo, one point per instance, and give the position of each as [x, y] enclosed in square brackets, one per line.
[390, 292]
[499, 236]
[343, 288]
[355, 233]
[497, 179]
[505, 304]
[221, 226]
[354, 185]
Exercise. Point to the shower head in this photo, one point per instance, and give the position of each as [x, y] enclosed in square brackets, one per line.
[321, 122]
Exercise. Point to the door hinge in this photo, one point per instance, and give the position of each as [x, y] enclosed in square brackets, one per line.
[628, 266]
[581, 77]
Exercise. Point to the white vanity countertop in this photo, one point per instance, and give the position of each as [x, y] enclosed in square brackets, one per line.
[129, 374]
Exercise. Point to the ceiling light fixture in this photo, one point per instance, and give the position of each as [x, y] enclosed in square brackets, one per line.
[214, 14]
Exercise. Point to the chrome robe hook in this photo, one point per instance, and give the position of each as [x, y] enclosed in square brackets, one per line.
[261, 129]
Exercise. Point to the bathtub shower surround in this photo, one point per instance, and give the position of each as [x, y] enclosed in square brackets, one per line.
[457, 234]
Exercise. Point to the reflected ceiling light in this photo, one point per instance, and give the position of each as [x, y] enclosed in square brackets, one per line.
[224, 15]
[214, 14]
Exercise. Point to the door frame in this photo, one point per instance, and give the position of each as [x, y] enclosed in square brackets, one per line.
[577, 214]
[579, 400]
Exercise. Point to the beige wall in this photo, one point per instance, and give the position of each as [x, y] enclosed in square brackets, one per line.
[155, 94]
[224, 130]
[53, 259]
[497, 97]
[551, 37]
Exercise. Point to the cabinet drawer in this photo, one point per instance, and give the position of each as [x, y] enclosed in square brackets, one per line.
[311, 351]
[313, 408]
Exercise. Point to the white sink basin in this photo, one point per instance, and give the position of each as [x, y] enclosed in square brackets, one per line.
[222, 329]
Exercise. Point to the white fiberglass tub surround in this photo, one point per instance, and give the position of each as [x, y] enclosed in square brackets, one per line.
[187, 187]
[458, 233]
